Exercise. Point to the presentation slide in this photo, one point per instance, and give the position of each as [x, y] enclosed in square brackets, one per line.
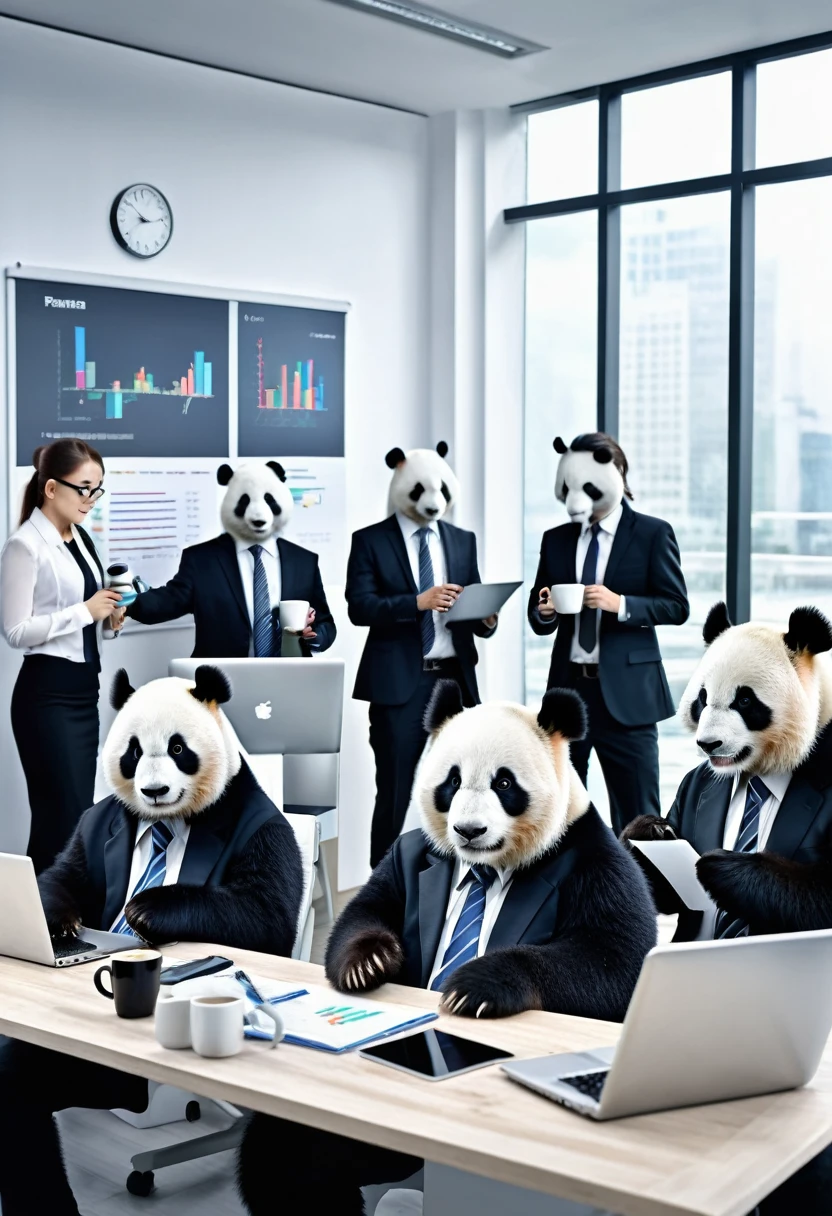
[135, 373]
[318, 489]
[291, 381]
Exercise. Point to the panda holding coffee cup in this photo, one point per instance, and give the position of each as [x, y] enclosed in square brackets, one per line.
[605, 580]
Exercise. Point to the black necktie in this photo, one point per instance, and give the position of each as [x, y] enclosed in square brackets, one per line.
[588, 628]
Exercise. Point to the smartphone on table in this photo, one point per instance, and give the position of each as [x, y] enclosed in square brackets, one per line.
[194, 968]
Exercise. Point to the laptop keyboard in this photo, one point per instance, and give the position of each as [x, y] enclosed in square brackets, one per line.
[65, 947]
[589, 1083]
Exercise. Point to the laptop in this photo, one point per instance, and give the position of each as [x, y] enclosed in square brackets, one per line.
[23, 930]
[480, 600]
[709, 1021]
[280, 706]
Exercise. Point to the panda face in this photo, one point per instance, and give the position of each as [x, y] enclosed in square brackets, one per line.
[423, 486]
[257, 501]
[494, 788]
[589, 489]
[169, 754]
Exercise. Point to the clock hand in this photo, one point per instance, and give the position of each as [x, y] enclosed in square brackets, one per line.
[139, 214]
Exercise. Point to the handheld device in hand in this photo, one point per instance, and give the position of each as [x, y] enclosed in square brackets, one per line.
[195, 968]
[478, 601]
[434, 1055]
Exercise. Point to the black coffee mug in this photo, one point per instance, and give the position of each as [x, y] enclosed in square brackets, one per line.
[135, 977]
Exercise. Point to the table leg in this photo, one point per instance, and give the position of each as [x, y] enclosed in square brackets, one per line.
[450, 1192]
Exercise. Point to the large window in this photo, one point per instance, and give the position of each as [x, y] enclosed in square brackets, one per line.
[679, 256]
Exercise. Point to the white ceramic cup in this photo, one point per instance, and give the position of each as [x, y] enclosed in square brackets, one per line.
[568, 598]
[217, 1024]
[173, 1019]
[293, 614]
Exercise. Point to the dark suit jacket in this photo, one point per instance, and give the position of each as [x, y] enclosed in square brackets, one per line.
[381, 593]
[208, 584]
[643, 566]
[240, 882]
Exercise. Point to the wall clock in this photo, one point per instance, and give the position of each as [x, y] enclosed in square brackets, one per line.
[141, 220]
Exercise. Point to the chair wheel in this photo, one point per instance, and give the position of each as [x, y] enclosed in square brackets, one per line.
[139, 1183]
[193, 1112]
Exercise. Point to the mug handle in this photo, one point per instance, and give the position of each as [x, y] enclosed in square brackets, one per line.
[279, 1026]
[99, 983]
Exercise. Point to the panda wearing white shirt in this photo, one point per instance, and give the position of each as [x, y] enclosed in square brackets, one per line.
[187, 847]
[758, 809]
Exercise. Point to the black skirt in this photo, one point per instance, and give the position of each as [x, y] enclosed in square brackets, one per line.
[55, 724]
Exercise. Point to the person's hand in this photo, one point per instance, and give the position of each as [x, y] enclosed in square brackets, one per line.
[490, 621]
[597, 596]
[544, 603]
[310, 619]
[439, 598]
[103, 604]
[116, 619]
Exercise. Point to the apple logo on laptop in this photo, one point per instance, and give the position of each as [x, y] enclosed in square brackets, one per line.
[263, 710]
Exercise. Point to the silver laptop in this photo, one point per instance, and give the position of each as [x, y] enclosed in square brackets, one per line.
[708, 1021]
[23, 929]
[481, 600]
[280, 706]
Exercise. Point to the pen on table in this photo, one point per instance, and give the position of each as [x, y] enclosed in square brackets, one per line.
[244, 979]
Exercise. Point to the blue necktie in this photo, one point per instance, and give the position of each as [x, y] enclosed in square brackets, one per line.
[588, 628]
[747, 838]
[425, 584]
[466, 936]
[263, 627]
[154, 874]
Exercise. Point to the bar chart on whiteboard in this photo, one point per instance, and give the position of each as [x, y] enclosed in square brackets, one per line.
[149, 515]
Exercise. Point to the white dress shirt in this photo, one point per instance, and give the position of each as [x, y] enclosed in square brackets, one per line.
[606, 536]
[42, 591]
[494, 900]
[443, 642]
[271, 562]
[143, 849]
[777, 783]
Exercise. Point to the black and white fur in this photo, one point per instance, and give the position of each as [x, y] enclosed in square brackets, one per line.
[171, 752]
[587, 481]
[497, 787]
[258, 503]
[760, 702]
[423, 486]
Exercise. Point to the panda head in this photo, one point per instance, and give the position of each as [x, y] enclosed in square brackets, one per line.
[496, 785]
[759, 697]
[170, 751]
[257, 500]
[423, 485]
[592, 477]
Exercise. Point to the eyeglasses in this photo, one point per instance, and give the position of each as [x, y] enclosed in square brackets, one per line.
[85, 491]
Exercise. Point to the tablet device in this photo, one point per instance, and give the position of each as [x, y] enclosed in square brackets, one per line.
[480, 600]
[434, 1055]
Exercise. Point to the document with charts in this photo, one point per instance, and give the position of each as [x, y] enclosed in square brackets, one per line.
[330, 1021]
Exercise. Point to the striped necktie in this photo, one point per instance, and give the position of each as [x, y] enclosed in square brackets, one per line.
[756, 795]
[263, 626]
[588, 627]
[154, 874]
[425, 584]
[465, 939]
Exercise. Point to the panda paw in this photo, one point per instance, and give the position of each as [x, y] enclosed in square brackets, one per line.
[143, 912]
[724, 874]
[647, 827]
[368, 960]
[492, 986]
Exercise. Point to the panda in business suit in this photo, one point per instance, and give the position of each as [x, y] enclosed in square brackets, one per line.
[186, 848]
[514, 895]
[233, 584]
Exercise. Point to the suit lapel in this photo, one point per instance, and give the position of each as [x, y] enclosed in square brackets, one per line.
[453, 574]
[434, 890]
[202, 852]
[118, 858]
[398, 546]
[525, 898]
[288, 572]
[227, 557]
[711, 813]
[621, 541]
[794, 817]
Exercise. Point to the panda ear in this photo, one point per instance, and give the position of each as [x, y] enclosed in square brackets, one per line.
[224, 474]
[211, 684]
[559, 446]
[276, 468]
[716, 623]
[445, 702]
[442, 448]
[562, 712]
[121, 690]
[808, 630]
[602, 455]
[394, 458]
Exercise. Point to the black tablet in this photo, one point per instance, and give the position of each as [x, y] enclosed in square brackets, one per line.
[434, 1055]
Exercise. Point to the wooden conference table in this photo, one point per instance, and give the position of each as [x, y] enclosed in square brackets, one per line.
[717, 1160]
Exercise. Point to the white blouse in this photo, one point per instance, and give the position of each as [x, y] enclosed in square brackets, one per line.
[42, 591]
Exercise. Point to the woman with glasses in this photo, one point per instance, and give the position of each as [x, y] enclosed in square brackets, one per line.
[52, 602]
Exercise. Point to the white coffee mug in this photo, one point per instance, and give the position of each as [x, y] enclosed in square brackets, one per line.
[217, 1025]
[173, 1019]
[293, 614]
[568, 598]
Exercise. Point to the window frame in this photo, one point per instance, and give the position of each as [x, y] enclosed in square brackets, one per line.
[741, 182]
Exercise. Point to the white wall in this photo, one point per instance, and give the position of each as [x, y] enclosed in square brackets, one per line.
[273, 189]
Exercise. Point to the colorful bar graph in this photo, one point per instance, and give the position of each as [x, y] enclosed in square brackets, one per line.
[208, 379]
[306, 394]
[199, 372]
[198, 381]
[80, 356]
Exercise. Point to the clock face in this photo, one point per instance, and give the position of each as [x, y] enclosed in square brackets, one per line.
[141, 220]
